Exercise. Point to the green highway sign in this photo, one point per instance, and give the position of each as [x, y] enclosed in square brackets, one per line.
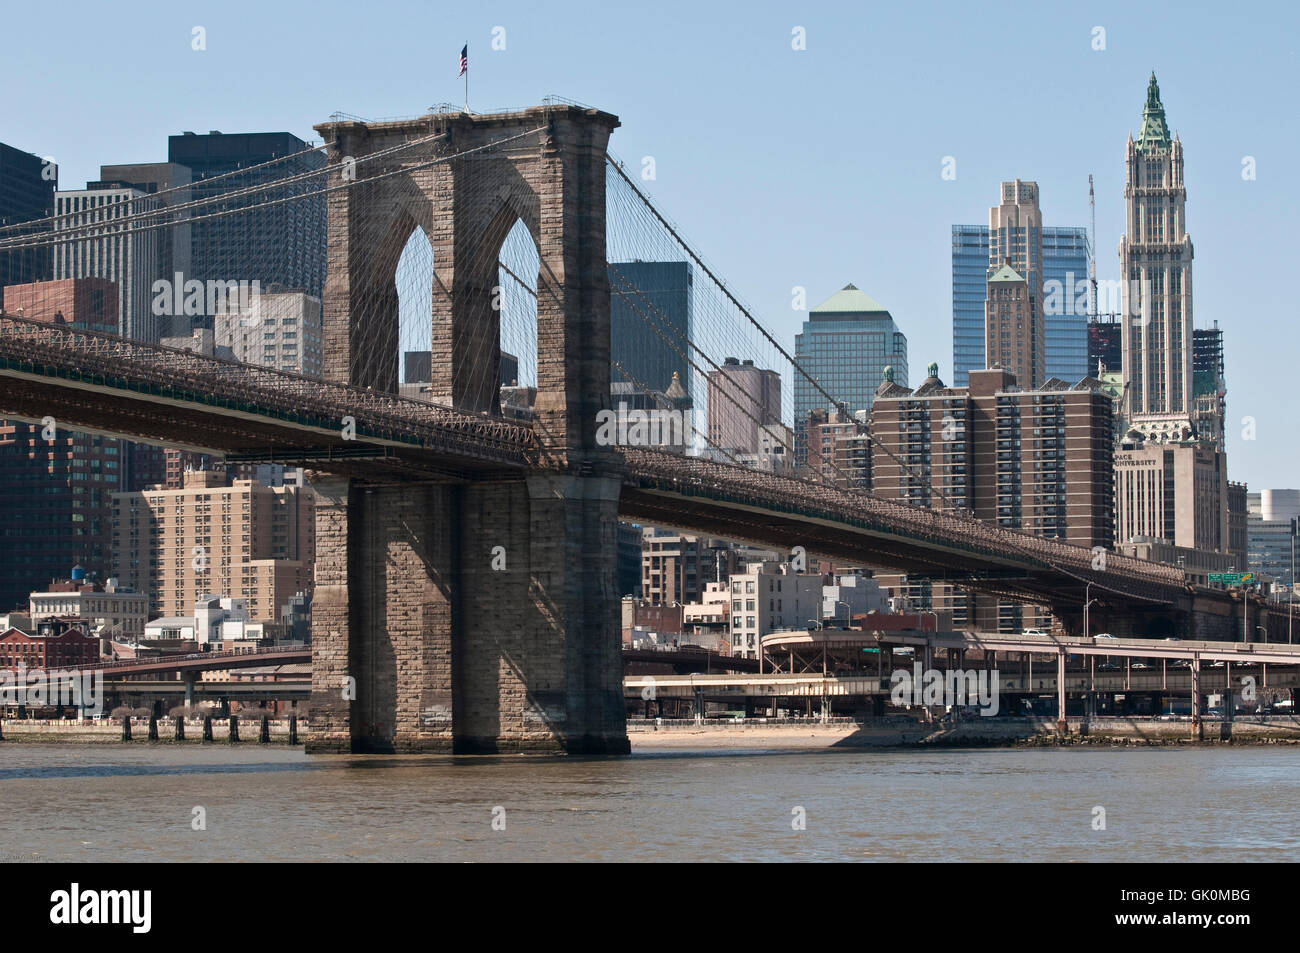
[1233, 578]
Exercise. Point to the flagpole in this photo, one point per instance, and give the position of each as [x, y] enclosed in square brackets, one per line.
[467, 76]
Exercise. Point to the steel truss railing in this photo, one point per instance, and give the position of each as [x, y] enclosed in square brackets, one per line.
[108, 360]
[713, 480]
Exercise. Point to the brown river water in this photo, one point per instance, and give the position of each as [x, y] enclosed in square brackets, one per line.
[72, 802]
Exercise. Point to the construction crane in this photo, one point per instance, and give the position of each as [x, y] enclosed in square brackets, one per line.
[1092, 250]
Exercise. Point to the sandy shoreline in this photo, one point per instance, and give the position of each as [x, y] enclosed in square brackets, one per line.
[792, 738]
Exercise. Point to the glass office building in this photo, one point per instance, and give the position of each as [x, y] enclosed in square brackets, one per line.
[645, 296]
[845, 345]
[282, 244]
[1065, 261]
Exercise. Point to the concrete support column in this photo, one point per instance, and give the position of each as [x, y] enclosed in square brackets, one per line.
[1198, 729]
[1062, 726]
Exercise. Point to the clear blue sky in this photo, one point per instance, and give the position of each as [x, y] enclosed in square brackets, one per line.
[813, 168]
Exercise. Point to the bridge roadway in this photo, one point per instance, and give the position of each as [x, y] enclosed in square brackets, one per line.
[1053, 645]
[201, 662]
[298, 689]
[103, 384]
[1016, 678]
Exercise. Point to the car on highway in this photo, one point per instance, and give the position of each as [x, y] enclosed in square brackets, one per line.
[1104, 635]
[1033, 632]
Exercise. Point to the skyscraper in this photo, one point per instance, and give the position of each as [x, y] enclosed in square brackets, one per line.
[169, 184]
[280, 330]
[1066, 251]
[256, 542]
[1014, 329]
[1209, 390]
[743, 399]
[845, 345]
[58, 483]
[1105, 347]
[26, 194]
[1038, 461]
[650, 301]
[1156, 265]
[1269, 522]
[1173, 492]
[104, 242]
[282, 245]
[1012, 320]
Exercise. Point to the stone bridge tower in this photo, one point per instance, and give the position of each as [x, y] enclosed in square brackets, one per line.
[473, 615]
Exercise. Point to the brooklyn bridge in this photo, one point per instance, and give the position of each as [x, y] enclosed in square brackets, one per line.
[465, 595]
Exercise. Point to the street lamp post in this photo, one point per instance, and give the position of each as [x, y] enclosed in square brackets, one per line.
[1087, 591]
[1245, 613]
[1087, 633]
[848, 613]
[1290, 595]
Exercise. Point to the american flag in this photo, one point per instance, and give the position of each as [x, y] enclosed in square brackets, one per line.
[464, 59]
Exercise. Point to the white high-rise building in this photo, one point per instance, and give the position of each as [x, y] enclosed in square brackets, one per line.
[281, 330]
[769, 597]
[103, 244]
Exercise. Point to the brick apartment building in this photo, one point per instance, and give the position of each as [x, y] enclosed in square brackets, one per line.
[51, 648]
[1039, 461]
[243, 539]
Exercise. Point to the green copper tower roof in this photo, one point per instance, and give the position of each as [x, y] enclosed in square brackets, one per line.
[849, 300]
[1154, 133]
[1005, 273]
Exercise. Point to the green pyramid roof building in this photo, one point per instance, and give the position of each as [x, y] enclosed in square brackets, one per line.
[1005, 273]
[1154, 134]
[849, 300]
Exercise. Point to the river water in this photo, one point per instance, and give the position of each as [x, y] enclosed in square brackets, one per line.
[67, 802]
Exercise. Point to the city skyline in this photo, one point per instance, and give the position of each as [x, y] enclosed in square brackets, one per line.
[709, 169]
[587, 433]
